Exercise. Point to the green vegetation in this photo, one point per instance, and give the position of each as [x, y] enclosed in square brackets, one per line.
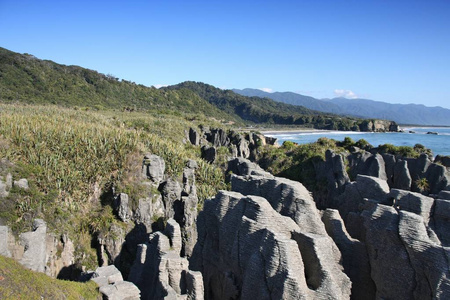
[69, 155]
[17, 282]
[26, 79]
[422, 184]
[296, 162]
[405, 151]
[265, 110]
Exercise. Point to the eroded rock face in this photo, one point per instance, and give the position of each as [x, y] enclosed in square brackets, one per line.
[34, 243]
[160, 272]
[112, 286]
[391, 270]
[428, 259]
[401, 177]
[441, 218]
[354, 256]
[4, 240]
[366, 163]
[171, 192]
[413, 202]
[194, 137]
[122, 208]
[354, 194]
[333, 172]
[248, 250]
[289, 198]
[209, 153]
[61, 258]
[153, 168]
[241, 166]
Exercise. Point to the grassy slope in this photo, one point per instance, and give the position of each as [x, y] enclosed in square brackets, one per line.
[16, 282]
[66, 154]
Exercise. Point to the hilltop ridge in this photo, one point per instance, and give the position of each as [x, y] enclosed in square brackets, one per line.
[27, 79]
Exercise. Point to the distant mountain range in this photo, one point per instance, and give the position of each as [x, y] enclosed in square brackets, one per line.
[401, 113]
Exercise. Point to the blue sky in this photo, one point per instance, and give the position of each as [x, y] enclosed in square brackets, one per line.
[393, 51]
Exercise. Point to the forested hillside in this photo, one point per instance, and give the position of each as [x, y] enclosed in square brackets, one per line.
[27, 79]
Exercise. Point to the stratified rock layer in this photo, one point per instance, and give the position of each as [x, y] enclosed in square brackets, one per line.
[247, 250]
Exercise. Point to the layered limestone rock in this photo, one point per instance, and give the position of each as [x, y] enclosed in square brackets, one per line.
[241, 166]
[401, 176]
[35, 247]
[209, 153]
[441, 218]
[4, 241]
[366, 163]
[350, 201]
[406, 263]
[413, 202]
[61, 258]
[354, 256]
[112, 286]
[187, 217]
[153, 168]
[333, 172]
[160, 272]
[248, 250]
[287, 197]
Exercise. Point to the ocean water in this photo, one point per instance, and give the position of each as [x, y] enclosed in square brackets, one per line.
[439, 144]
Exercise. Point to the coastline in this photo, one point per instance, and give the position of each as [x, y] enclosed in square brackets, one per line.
[294, 131]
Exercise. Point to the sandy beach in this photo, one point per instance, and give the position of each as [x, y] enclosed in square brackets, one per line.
[293, 131]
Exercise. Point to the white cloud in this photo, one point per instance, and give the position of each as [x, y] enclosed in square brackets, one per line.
[345, 94]
[160, 85]
[267, 90]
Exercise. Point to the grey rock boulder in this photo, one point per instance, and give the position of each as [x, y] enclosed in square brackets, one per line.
[241, 166]
[171, 193]
[365, 187]
[287, 197]
[194, 137]
[366, 163]
[21, 184]
[208, 153]
[112, 286]
[246, 248]
[413, 202]
[401, 177]
[391, 268]
[354, 256]
[34, 243]
[441, 218]
[153, 168]
[429, 260]
[161, 273]
[4, 241]
[121, 207]
[189, 178]
[444, 195]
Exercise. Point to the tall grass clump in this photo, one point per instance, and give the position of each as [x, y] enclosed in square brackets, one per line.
[71, 156]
